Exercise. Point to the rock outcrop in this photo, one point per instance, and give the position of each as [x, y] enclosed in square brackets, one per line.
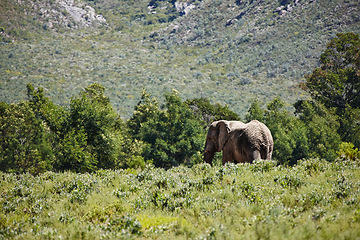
[82, 14]
[184, 7]
[68, 13]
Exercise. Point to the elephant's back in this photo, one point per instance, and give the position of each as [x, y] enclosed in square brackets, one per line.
[234, 125]
[260, 132]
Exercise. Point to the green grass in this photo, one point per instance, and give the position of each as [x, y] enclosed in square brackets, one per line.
[312, 200]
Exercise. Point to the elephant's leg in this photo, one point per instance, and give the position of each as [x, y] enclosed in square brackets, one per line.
[208, 157]
[254, 155]
[265, 153]
[227, 157]
[269, 155]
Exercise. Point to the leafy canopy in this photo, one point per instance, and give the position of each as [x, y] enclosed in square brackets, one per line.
[208, 112]
[173, 134]
[25, 142]
[337, 82]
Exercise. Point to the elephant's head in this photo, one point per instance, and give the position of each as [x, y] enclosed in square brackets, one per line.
[216, 138]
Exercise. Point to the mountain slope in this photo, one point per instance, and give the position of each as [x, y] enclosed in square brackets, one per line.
[265, 38]
[25, 19]
[228, 51]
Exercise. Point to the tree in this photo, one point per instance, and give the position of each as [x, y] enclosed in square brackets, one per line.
[25, 144]
[255, 112]
[311, 132]
[185, 131]
[322, 129]
[208, 112]
[46, 110]
[93, 125]
[172, 136]
[350, 126]
[146, 109]
[86, 136]
[75, 153]
[37, 135]
[289, 133]
[337, 82]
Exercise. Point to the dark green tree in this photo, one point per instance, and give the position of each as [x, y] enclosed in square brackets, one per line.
[173, 135]
[53, 115]
[70, 140]
[92, 124]
[350, 126]
[322, 129]
[311, 132]
[38, 135]
[255, 112]
[75, 153]
[208, 112]
[146, 110]
[185, 131]
[336, 83]
[25, 144]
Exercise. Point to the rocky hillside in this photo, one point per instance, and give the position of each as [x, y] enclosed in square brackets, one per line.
[266, 38]
[229, 51]
[21, 18]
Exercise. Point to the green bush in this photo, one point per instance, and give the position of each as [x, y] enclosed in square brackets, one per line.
[291, 181]
[38, 135]
[348, 151]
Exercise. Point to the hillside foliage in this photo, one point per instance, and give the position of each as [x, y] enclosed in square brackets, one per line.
[230, 52]
[87, 134]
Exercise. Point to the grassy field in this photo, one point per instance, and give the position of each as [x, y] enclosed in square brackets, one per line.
[312, 200]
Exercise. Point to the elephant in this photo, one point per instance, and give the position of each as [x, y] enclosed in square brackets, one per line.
[239, 142]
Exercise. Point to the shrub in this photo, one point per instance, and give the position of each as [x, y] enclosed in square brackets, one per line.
[348, 151]
[261, 165]
[290, 180]
[312, 165]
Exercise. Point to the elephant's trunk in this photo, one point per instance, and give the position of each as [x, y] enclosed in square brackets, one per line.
[208, 157]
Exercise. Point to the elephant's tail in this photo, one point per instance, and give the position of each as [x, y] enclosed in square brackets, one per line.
[269, 152]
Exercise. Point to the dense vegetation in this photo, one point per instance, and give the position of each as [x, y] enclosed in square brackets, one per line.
[38, 135]
[72, 167]
[313, 200]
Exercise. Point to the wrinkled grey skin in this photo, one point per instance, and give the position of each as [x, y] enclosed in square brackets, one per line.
[239, 142]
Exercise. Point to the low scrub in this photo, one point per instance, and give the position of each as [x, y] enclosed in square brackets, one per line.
[313, 199]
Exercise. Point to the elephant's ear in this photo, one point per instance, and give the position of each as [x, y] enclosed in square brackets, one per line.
[224, 131]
